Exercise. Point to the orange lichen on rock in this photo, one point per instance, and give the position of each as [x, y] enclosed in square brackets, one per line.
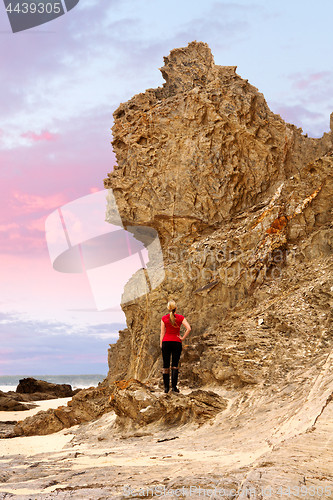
[278, 225]
[122, 384]
[262, 217]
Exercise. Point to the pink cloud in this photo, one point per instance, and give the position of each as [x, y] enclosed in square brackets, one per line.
[307, 81]
[24, 229]
[38, 224]
[312, 122]
[307, 103]
[22, 240]
[313, 88]
[31, 203]
[53, 174]
[43, 136]
[295, 114]
[31, 280]
[7, 227]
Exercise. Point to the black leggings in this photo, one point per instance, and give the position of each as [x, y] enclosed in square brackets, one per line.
[168, 348]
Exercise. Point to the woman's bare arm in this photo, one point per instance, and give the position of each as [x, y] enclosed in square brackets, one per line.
[162, 332]
[188, 329]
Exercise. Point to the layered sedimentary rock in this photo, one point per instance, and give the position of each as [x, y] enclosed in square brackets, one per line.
[137, 407]
[135, 404]
[242, 202]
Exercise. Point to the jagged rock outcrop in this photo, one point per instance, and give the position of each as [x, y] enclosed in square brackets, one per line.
[137, 407]
[242, 203]
[84, 406]
[135, 404]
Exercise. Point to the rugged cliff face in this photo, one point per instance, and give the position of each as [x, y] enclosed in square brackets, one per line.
[242, 203]
[243, 206]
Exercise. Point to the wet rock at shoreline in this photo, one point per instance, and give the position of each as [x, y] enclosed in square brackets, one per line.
[40, 388]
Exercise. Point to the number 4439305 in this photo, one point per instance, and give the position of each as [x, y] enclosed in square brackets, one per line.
[31, 8]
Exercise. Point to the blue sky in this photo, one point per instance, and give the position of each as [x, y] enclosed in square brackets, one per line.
[60, 84]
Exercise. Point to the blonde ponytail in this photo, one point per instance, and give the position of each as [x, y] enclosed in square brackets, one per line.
[172, 308]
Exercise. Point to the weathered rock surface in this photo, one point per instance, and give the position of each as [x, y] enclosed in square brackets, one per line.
[137, 407]
[6, 428]
[268, 437]
[40, 389]
[12, 402]
[86, 405]
[242, 203]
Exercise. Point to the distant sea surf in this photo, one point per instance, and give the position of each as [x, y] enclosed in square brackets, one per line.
[10, 382]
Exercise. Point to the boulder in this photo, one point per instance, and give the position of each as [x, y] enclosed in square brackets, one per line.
[9, 402]
[40, 388]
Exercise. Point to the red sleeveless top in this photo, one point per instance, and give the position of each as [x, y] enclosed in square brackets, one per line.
[172, 332]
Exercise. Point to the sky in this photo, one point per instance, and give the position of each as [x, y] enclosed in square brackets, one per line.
[60, 84]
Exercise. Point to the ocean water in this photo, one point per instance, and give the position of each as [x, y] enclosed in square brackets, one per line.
[10, 382]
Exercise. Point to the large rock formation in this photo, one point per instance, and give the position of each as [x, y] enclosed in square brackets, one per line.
[40, 389]
[242, 203]
[137, 407]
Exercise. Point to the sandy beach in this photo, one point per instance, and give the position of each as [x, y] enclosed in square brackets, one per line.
[234, 451]
[41, 405]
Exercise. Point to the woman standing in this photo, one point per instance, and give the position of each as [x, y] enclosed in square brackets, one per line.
[171, 344]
